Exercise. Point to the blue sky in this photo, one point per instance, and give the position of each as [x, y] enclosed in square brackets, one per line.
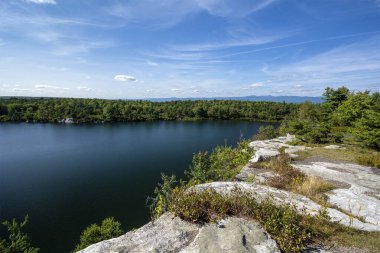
[187, 48]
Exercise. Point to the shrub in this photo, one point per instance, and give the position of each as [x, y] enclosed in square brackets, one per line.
[223, 163]
[163, 191]
[284, 224]
[286, 174]
[17, 241]
[372, 160]
[94, 233]
[266, 133]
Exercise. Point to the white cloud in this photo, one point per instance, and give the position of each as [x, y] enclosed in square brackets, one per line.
[255, 85]
[20, 89]
[41, 86]
[84, 88]
[176, 90]
[125, 78]
[150, 63]
[41, 1]
[298, 86]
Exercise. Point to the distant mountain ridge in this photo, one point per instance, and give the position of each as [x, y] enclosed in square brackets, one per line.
[269, 98]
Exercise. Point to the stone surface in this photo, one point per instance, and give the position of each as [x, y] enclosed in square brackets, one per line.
[270, 148]
[281, 197]
[230, 236]
[361, 197]
[334, 147]
[171, 234]
[167, 234]
[257, 175]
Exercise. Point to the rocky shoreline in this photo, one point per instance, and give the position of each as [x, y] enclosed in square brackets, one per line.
[353, 203]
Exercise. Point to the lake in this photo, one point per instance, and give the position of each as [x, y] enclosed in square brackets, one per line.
[66, 177]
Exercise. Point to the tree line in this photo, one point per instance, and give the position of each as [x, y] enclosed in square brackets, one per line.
[344, 116]
[99, 110]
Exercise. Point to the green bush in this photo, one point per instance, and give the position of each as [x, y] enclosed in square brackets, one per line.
[223, 163]
[367, 129]
[322, 134]
[160, 202]
[17, 241]
[94, 233]
[266, 133]
[284, 224]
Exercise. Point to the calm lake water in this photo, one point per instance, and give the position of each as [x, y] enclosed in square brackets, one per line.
[69, 176]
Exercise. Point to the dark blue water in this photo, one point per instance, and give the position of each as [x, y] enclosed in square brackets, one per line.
[69, 176]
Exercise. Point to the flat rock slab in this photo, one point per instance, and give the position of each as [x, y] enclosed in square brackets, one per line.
[302, 204]
[171, 234]
[334, 147]
[270, 148]
[360, 198]
[232, 235]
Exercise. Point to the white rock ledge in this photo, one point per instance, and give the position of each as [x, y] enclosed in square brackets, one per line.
[280, 197]
[171, 234]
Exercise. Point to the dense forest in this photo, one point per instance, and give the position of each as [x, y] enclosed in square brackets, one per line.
[98, 110]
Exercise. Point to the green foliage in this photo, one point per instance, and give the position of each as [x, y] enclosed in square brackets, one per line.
[352, 109]
[222, 164]
[94, 233]
[99, 110]
[372, 160]
[284, 224]
[200, 166]
[162, 193]
[266, 133]
[17, 241]
[367, 129]
[334, 98]
[355, 112]
[286, 174]
[322, 134]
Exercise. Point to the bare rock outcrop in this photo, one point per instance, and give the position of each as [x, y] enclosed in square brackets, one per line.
[279, 197]
[361, 197]
[171, 234]
[267, 149]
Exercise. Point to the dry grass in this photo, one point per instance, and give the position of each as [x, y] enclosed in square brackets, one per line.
[372, 160]
[313, 187]
[350, 154]
[286, 174]
[291, 179]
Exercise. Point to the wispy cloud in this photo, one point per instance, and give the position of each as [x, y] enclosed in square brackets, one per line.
[125, 78]
[41, 1]
[84, 88]
[239, 42]
[353, 65]
[152, 63]
[42, 86]
[166, 13]
[296, 44]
